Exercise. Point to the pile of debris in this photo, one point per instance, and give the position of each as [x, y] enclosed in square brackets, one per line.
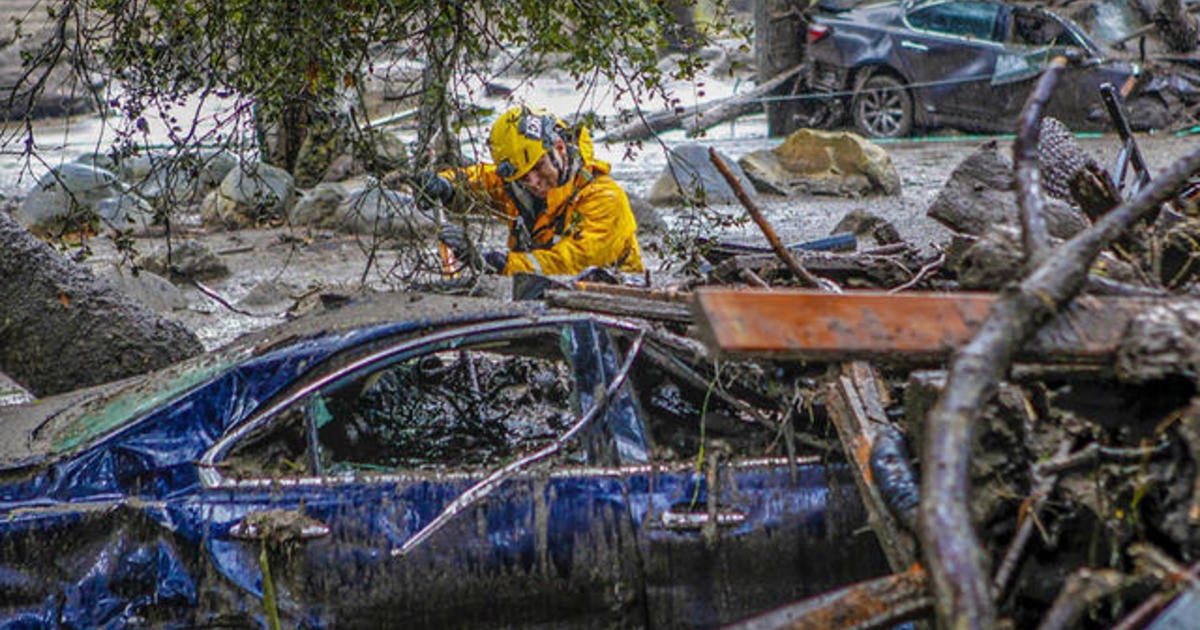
[1042, 366]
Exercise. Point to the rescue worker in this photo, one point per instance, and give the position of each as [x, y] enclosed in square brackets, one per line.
[565, 213]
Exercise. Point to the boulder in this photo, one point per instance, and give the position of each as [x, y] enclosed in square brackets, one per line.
[981, 193]
[189, 259]
[649, 222]
[691, 177]
[372, 209]
[819, 162]
[74, 196]
[250, 195]
[182, 177]
[318, 206]
[148, 288]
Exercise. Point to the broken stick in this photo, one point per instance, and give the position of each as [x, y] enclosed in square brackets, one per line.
[784, 254]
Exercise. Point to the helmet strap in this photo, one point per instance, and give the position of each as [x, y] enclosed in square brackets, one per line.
[568, 167]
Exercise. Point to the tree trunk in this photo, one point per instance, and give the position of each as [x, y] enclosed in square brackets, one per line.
[63, 329]
[437, 142]
[780, 26]
[1177, 27]
[682, 35]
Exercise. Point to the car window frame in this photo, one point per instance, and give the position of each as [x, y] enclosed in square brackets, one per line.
[993, 39]
[340, 366]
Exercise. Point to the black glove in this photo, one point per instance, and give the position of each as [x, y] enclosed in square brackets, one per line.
[454, 238]
[434, 187]
[495, 260]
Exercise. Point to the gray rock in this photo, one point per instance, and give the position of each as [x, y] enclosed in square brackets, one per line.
[981, 193]
[187, 259]
[691, 177]
[318, 206]
[74, 196]
[178, 177]
[647, 217]
[373, 209]
[148, 288]
[125, 211]
[250, 195]
[100, 160]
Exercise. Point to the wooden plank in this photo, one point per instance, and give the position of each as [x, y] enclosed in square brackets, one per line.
[621, 305]
[873, 325]
[856, 408]
[879, 603]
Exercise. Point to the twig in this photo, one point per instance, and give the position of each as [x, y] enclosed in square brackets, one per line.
[1037, 498]
[753, 279]
[882, 602]
[1095, 452]
[200, 286]
[668, 294]
[1164, 567]
[1137, 617]
[784, 254]
[921, 274]
[1083, 588]
[1031, 203]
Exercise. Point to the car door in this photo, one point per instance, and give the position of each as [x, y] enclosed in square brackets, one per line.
[730, 525]
[370, 496]
[950, 53]
[1077, 100]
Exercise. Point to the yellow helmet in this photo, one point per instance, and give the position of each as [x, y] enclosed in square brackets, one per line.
[520, 137]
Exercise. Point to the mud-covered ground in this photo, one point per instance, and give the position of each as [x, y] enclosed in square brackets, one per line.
[277, 271]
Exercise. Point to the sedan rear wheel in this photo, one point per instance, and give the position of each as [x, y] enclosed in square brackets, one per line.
[883, 108]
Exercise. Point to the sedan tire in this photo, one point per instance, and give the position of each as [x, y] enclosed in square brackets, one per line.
[883, 108]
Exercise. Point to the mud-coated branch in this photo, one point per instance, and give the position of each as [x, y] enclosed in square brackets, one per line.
[1031, 203]
[953, 552]
[777, 245]
[1082, 590]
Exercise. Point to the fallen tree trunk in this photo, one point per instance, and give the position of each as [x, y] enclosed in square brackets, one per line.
[63, 329]
[699, 117]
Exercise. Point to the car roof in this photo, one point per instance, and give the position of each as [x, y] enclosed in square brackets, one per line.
[57, 424]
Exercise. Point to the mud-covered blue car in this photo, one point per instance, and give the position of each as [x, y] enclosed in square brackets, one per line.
[421, 461]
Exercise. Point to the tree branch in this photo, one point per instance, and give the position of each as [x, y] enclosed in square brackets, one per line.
[954, 555]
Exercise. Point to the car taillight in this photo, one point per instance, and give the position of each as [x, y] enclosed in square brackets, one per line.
[817, 32]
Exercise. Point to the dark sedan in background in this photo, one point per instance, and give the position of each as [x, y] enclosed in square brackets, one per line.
[420, 461]
[893, 67]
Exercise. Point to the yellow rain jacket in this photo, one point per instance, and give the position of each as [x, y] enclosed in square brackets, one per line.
[586, 222]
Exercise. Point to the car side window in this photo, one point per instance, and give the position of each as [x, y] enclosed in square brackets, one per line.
[691, 408]
[1032, 29]
[450, 409]
[977, 20]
